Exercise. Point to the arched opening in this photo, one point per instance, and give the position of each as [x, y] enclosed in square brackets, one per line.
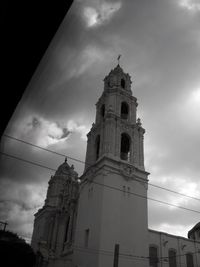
[103, 111]
[124, 110]
[153, 256]
[172, 258]
[122, 83]
[125, 147]
[97, 145]
[189, 260]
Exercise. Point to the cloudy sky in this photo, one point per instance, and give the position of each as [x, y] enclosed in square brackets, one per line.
[159, 41]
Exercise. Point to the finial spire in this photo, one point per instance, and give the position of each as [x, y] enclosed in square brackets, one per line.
[118, 59]
[65, 159]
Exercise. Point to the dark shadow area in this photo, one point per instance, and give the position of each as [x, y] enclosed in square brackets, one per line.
[15, 251]
[97, 146]
[27, 28]
[125, 147]
[124, 110]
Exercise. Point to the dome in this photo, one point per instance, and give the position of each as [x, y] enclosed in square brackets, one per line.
[65, 169]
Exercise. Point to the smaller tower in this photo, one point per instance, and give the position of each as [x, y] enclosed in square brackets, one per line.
[54, 223]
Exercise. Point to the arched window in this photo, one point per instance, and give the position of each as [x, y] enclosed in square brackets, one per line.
[125, 147]
[189, 260]
[153, 256]
[124, 110]
[103, 111]
[122, 83]
[172, 258]
[97, 145]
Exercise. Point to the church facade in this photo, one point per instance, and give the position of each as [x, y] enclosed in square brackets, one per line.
[100, 219]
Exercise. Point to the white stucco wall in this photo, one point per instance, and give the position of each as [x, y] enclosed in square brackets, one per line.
[112, 217]
[181, 245]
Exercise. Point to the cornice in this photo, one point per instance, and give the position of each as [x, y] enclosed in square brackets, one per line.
[127, 170]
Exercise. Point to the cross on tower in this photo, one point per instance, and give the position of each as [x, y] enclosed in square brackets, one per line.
[118, 59]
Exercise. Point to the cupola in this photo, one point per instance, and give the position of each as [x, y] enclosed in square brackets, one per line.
[118, 79]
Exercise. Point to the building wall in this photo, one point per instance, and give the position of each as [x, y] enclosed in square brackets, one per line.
[112, 217]
[164, 242]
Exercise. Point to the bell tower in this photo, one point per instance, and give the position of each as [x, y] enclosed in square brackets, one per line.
[113, 197]
[116, 133]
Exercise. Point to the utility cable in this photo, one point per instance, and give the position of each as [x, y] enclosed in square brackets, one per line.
[45, 149]
[83, 162]
[108, 186]
[126, 255]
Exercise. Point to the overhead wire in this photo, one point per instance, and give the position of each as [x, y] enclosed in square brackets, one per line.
[108, 186]
[83, 162]
[45, 149]
[125, 255]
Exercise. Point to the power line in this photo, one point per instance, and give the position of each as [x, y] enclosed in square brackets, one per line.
[125, 255]
[83, 162]
[172, 191]
[108, 186]
[100, 251]
[144, 197]
[45, 149]
[105, 252]
[27, 161]
[121, 255]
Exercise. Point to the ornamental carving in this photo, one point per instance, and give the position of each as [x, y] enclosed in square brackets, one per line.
[128, 172]
[125, 127]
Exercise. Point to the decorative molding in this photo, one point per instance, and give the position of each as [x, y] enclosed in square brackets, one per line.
[183, 246]
[165, 243]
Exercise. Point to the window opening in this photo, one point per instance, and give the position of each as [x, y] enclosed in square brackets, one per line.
[153, 256]
[124, 110]
[189, 260]
[97, 146]
[125, 147]
[86, 237]
[129, 191]
[172, 258]
[103, 111]
[122, 83]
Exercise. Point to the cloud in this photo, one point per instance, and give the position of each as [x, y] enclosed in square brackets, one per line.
[176, 229]
[74, 127]
[96, 16]
[191, 5]
[43, 132]
[18, 211]
[192, 105]
[90, 57]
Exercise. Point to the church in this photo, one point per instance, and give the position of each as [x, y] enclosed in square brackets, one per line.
[100, 218]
